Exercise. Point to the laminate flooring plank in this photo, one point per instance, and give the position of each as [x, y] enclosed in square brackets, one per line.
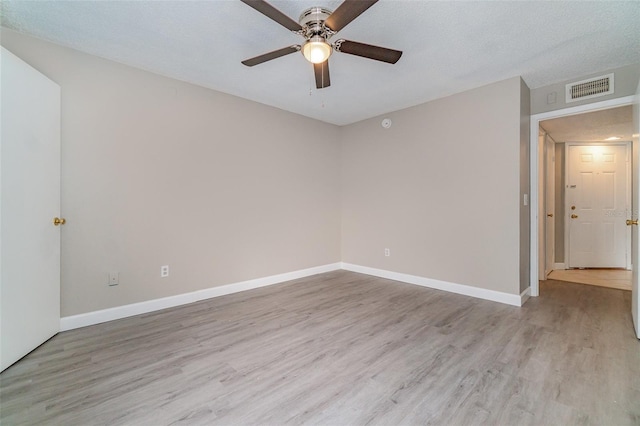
[341, 348]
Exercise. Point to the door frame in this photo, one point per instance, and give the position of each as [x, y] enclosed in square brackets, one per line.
[535, 228]
[567, 224]
[544, 207]
[548, 191]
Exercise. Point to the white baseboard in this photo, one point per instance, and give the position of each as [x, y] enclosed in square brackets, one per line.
[481, 293]
[525, 295]
[557, 266]
[104, 315]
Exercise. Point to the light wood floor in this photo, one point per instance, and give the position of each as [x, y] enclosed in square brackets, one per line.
[611, 278]
[342, 348]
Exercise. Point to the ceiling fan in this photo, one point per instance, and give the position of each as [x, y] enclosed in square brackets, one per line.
[317, 25]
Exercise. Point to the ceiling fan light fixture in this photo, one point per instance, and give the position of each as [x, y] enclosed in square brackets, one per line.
[316, 50]
[317, 25]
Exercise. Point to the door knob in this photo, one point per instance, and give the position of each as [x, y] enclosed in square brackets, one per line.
[59, 221]
[632, 222]
[550, 214]
[574, 216]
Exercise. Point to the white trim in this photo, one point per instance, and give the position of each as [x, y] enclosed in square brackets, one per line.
[559, 266]
[481, 293]
[629, 202]
[104, 315]
[533, 170]
[119, 312]
[524, 296]
[567, 224]
[595, 106]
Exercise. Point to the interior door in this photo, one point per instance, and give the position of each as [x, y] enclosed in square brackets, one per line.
[635, 241]
[29, 200]
[549, 202]
[597, 204]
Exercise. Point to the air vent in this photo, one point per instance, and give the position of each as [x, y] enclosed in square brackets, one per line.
[592, 88]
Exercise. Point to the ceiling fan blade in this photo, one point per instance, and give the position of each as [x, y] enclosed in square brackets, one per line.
[271, 12]
[368, 51]
[271, 55]
[322, 75]
[347, 12]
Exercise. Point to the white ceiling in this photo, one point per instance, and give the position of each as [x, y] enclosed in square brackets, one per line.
[449, 46]
[592, 126]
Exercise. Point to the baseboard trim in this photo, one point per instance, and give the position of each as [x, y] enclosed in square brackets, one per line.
[119, 312]
[104, 315]
[481, 293]
[559, 266]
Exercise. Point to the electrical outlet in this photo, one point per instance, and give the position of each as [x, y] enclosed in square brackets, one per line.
[164, 271]
[113, 278]
[387, 252]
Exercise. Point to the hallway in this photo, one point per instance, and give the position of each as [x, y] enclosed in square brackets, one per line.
[611, 278]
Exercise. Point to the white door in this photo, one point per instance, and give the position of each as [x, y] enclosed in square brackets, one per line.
[597, 194]
[549, 202]
[29, 200]
[635, 241]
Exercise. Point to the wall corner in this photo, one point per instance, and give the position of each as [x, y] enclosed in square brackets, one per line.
[525, 186]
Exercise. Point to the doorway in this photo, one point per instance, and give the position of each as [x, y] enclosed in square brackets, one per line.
[587, 171]
[595, 129]
[587, 159]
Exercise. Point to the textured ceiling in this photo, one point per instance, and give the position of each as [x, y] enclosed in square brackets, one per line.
[592, 126]
[448, 47]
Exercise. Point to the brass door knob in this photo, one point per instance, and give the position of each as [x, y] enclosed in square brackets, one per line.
[632, 222]
[59, 221]
[574, 216]
[550, 214]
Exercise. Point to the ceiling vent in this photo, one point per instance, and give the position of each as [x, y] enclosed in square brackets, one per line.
[591, 88]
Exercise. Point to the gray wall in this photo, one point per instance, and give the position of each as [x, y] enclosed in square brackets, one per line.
[442, 188]
[525, 178]
[625, 83]
[160, 172]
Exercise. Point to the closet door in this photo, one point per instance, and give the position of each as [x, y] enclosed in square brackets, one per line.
[29, 201]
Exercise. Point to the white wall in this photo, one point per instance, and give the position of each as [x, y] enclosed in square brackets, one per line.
[160, 172]
[441, 188]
